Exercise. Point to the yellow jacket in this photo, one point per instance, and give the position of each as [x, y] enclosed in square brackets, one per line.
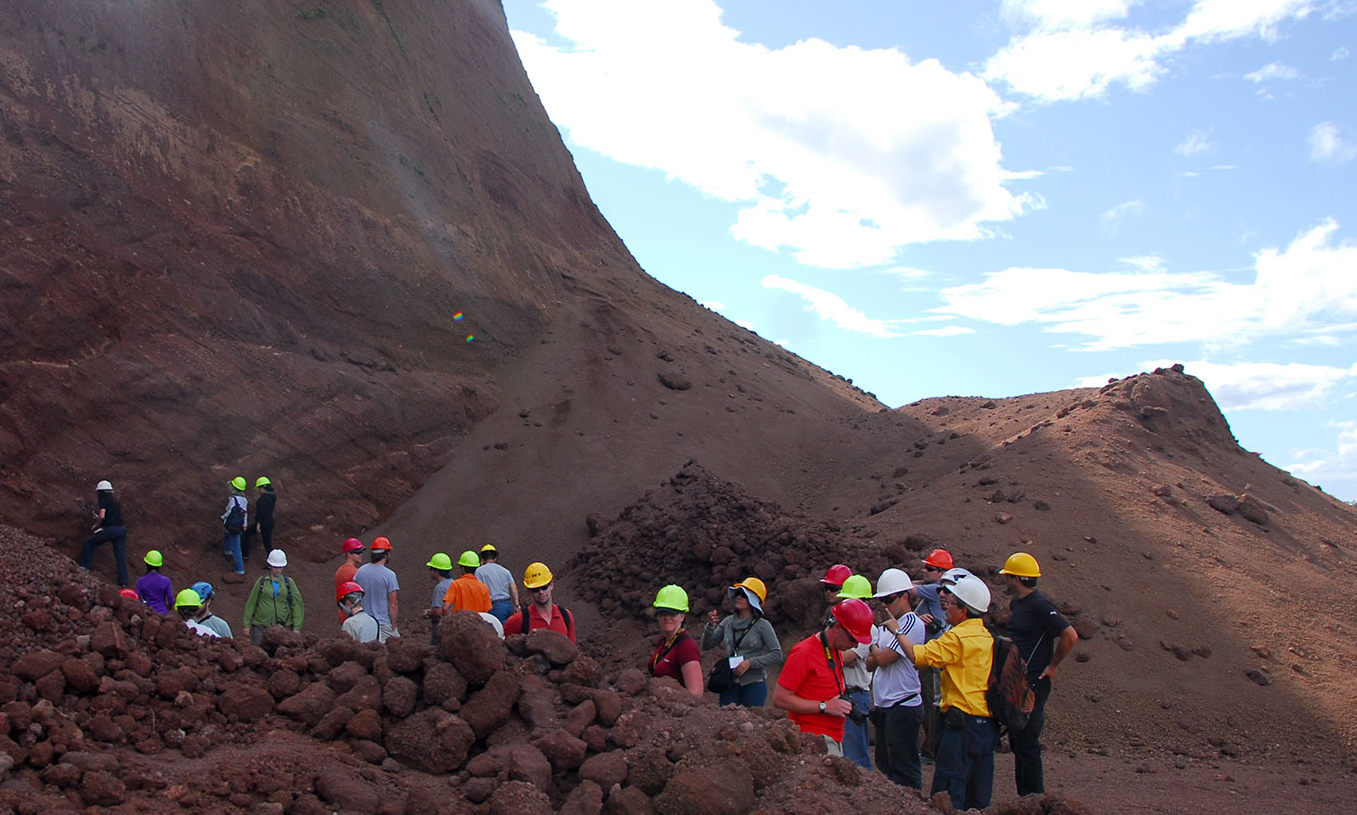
[964, 653]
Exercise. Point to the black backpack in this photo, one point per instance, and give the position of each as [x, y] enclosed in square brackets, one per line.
[235, 519]
[523, 609]
[1009, 697]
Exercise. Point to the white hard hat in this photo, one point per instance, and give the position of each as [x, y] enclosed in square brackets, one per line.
[952, 575]
[972, 591]
[277, 558]
[892, 581]
[103, 486]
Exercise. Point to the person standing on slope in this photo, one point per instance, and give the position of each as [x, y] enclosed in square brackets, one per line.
[234, 520]
[353, 558]
[541, 613]
[358, 624]
[466, 593]
[205, 616]
[811, 685]
[857, 676]
[751, 645]
[441, 567]
[380, 588]
[262, 524]
[503, 588]
[154, 588]
[275, 600]
[108, 528]
[897, 701]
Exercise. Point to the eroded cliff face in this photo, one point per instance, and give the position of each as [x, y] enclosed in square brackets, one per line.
[235, 240]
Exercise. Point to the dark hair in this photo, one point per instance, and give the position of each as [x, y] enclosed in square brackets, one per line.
[1029, 582]
[468, 570]
[443, 572]
[489, 554]
[379, 554]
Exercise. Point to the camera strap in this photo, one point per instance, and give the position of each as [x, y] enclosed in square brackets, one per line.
[834, 667]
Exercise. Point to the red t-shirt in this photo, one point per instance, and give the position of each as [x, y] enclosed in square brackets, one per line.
[671, 663]
[514, 625]
[343, 575]
[807, 674]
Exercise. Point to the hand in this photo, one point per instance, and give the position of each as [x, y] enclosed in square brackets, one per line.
[890, 623]
[1049, 673]
[741, 669]
[247, 632]
[713, 618]
[928, 619]
[838, 708]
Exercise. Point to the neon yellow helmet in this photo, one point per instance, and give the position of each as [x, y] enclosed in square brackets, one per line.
[1021, 564]
[440, 561]
[536, 575]
[238, 483]
[672, 598]
[187, 598]
[262, 481]
[856, 587]
[469, 559]
[153, 558]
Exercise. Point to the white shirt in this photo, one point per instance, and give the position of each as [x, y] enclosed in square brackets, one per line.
[899, 681]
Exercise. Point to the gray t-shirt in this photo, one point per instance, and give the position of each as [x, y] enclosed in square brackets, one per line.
[930, 604]
[497, 579]
[218, 625]
[439, 589]
[361, 627]
[857, 675]
[377, 582]
[899, 681]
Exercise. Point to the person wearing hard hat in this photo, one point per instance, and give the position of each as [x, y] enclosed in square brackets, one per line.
[832, 582]
[676, 654]
[811, 687]
[924, 597]
[234, 520]
[1044, 638]
[897, 699]
[358, 624]
[857, 677]
[274, 600]
[466, 593]
[353, 558]
[965, 761]
[503, 587]
[380, 587]
[108, 528]
[440, 565]
[540, 613]
[262, 523]
[751, 645]
[189, 605]
[205, 616]
[153, 587]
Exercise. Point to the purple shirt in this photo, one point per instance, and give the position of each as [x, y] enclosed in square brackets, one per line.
[154, 590]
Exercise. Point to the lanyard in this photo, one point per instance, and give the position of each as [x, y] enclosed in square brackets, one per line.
[660, 655]
[833, 664]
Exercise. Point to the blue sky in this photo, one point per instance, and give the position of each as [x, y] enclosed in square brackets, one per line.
[992, 198]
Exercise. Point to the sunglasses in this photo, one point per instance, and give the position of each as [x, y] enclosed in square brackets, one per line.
[540, 589]
[928, 568]
[668, 612]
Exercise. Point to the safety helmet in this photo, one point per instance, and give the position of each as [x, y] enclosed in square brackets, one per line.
[353, 545]
[953, 575]
[204, 590]
[345, 589]
[835, 576]
[188, 598]
[238, 483]
[469, 559]
[1021, 564]
[856, 618]
[940, 558]
[153, 558]
[856, 587]
[277, 558]
[380, 543]
[753, 589]
[892, 581]
[972, 591]
[130, 594]
[489, 547]
[672, 597]
[536, 575]
[440, 561]
[103, 486]
[262, 481]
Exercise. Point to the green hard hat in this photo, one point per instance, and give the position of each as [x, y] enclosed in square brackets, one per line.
[672, 597]
[238, 483]
[469, 558]
[262, 481]
[440, 561]
[856, 587]
[187, 597]
[153, 558]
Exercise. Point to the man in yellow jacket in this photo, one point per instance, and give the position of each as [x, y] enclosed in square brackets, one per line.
[965, 761]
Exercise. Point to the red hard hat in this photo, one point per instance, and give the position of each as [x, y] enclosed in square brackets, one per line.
[346, 589]
[939, 558]
[353, 545]
[856, 618]
[381, 543]
[130, 594]
[836, 575]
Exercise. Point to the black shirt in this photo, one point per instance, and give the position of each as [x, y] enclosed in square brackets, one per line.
[113, 511]
[1034, 625]
[263, 508]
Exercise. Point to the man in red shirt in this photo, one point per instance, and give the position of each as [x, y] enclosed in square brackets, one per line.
[353, 555]
[541, 613]
[811, 685]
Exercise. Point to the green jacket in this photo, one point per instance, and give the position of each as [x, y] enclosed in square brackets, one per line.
[263, 609]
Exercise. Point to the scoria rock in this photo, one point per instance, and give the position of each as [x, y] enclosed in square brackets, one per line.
[471, 646]
[309, 706]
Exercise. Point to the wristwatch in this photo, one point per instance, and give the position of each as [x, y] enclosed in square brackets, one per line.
[822, 707]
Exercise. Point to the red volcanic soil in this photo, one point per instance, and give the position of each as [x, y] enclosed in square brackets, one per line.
[235, 239]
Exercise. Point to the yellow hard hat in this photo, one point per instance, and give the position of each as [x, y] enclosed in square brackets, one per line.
[755, 585]
[1021, 564]
[536, 575]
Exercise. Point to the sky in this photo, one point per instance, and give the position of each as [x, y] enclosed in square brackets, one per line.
[992, 198]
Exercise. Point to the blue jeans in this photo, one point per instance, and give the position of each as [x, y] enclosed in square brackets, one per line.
[965, 768]
[502, 609]
[855, 735]
[897, 745]
[751, 695]
[232, 546]
[116, 534]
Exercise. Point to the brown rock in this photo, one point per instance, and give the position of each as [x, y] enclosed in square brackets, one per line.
[80, 677]
[674, 382]
[284, 683]
[631, 681]
[651, 770]
[721, 789]
[1220, 502]
[609, 705]
[555, 647]
[584, 671]
[52, 686]
[339, 650]
[1251, 509]
[580, 717]
[109, 639]
[536, 703]
[332, 723]
[627, 801]
[366, 694]
[369, 751]
[605, 769]
[596, 737]
[471, 646]
[406, 654]
[247, 703]
[62, 774]
[37, 664]
[526, 763]
[442, 682]
[398, 696]
[102, 789]
[343, 678]
[347, 790]
[433, 740]
[518, 798]
[586, 799]
[564, 751]
[489, 707]
[478, 790]
[365, 724]
[102, 728]
[309, 706]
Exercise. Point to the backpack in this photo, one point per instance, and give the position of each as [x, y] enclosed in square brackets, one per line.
[235, 519]
[1009, 697]
[523, 609]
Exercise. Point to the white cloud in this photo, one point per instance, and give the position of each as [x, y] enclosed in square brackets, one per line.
[1267, 385]
[1145, 263]
[799, 136]
[949, 331]
[1327, 145]
[1113, 217]
[1338, 53]
[1064, 14]
[1273, 70]
[714, 305]
[831, 307]
[1307, 288]
[1196, 143]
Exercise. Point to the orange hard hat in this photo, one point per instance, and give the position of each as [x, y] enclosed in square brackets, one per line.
[939, 558]
[380, 543]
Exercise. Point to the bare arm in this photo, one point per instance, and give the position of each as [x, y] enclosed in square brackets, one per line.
[1063, 646]
[881, 656]
[391, 604]
[848, 657]
[692, 677]
[513, 592]
[784, 699]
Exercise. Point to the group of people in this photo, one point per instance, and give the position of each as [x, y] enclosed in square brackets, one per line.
[236, 523]
[926, 668]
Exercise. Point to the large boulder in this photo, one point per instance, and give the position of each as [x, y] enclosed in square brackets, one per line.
[722, 789]
[471, 646]
[406, 654]
[489, 707]
[247, 703]
[347, 790]
[432, 740]
[310, 705]
[557, 648]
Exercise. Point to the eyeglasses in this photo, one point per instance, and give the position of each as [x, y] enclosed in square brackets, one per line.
[945, 598]
[928, 568]
[541, 589]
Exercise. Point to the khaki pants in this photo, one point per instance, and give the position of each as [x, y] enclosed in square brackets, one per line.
[834, 748]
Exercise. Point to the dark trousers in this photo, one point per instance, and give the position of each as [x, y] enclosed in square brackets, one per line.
[265, 539]
[116, 534]
[965, 768]
[1026, 744]
[931, 680]
[897, 745]
[752, 695]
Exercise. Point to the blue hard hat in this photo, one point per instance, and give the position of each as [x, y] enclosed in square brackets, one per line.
[203, 588]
